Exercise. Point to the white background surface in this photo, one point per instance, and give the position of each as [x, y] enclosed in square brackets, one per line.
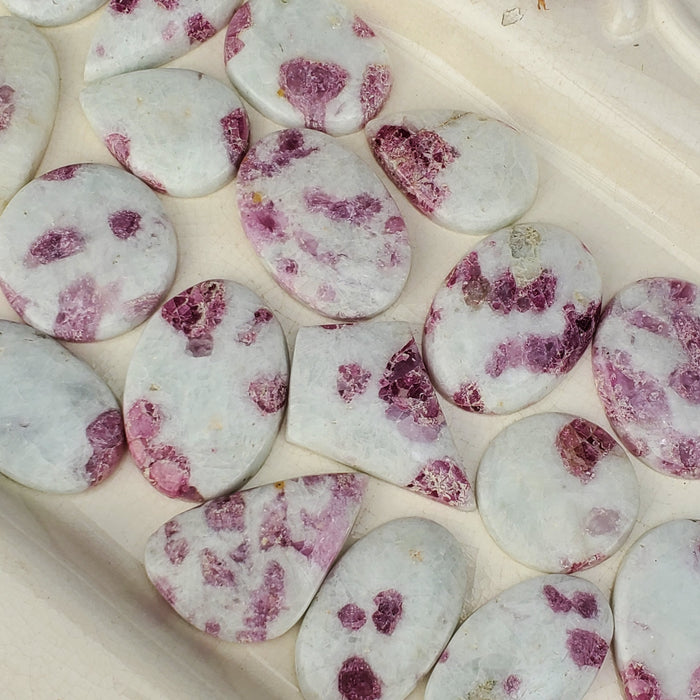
[615, 122]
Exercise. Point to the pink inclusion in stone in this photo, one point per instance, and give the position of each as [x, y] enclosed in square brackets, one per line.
[264, 224]
[199, 29]
[16, 301]
[119, 146]
[226, 513]
[511, 685]
[125, 223]
[212, 627]
[236, 132]
[352, 380]
[195, 313]
[290, 147]
[413, 403]
[357, 681]
[585, 604]
[413, 159]
[443, 481]
[357, 210]
[240, 21]
[361, 29]
[269, 394]
[248, 333]
[266, 603]
[468, 397]
[123, 7]
[352, 617]
[7, 106]
[375, 88]
[310, 85]
[582, 445]
[214, 570]
[167, 4]
[640, 683]
[65, 172]
[586, 648]
[571, 568]
[694, 686]
[389, 611]
[55, 244]
[176, 548]
[556, 600]
[80, 308]
[106, 437]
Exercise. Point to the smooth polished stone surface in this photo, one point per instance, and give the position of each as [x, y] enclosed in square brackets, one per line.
[87, 252]
[323, 224]
[245, 567]
[656, 602]
[512, 318]
[52, 13]
[307, 63]
[464, 171]
[61, 429]
[180, 131]
[557, 492]
[544, 638]
[646, 365]
[205, 390]
[29, 83]
[384, 614]
[360, 394]
[136, 34]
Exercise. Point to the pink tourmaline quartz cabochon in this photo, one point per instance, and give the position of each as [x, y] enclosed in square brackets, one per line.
[180, 131]
[646, 365]
[557, 492]
[137, 34]
[29, 83]
[464, 171]
[307, 63]
[87, 252]
[360, 394]
[656, 604]
[61, 428]
[512, 318]
[384, 614]
[323, 224]
[546, 637]
[245, 567]
[205, 391]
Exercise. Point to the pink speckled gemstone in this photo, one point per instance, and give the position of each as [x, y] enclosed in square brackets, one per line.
[79, 440]
[323, 224]
[244, 567]
[360, 394]
[307, 63]
[646, 364]
[543, 638]
[384, 613]
[656, 603]
[205, 391]
[87, 252]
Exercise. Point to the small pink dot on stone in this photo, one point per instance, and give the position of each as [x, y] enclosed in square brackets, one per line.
[124, 223]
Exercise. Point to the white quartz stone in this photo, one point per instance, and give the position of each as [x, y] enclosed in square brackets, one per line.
[656, 602]
[307, 63]
[136, 34]
[245, 567]
[182, 132]
[28, 100]
[52, 13]
[205, 390]
[87, 252]
[466, 172]
[384, 613]
[61, 429]
[557, 493]
[360, 394]
[512, 318]
[646, 365]
[323, 223]
[543, 639]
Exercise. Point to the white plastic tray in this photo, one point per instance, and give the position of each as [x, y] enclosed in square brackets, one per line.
[606, 92]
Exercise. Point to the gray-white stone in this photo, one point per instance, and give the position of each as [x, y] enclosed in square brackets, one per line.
[52, 13]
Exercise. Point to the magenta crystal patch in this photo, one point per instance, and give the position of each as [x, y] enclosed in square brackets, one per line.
[464, 171]
[646, 364]
[310, 63]
[512, 318]
[369, 379]
[383, 614]
[323, 224]
[557, 493]
[74, 445]
[545, 637]
[244, 567]
[656, 602]
[205, 391]
[103, 269]
[180, 131]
